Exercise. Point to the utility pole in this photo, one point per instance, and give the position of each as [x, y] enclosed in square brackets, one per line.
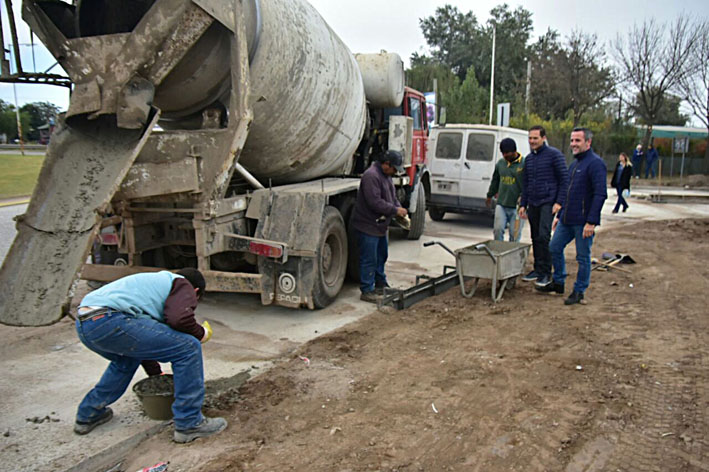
[492, 74]
[529, 87]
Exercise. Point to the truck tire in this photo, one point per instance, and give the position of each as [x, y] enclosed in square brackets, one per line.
[331, 259]
[436, 214]
[418, 218]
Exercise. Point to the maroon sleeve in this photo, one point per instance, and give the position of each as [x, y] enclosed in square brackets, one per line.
[179, 309]
[151, 367]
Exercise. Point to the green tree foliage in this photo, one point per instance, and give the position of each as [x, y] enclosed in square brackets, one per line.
[512, 35]
[451, 35]
[468, 103]
[40, 113]
[668, 113]
[8, 121]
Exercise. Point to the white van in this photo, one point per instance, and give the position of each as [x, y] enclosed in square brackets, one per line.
[461, 161]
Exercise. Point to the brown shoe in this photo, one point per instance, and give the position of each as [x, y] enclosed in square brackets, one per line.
[370, 297]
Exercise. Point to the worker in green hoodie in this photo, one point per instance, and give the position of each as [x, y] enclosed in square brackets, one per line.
[507, 183]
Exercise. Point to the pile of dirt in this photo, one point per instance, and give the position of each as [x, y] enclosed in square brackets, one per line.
[467, 385]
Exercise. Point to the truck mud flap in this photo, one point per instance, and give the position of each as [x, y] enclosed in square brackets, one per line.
[84, 166]
[402, 299]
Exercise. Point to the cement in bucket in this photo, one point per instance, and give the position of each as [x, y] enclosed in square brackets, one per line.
[156, 394]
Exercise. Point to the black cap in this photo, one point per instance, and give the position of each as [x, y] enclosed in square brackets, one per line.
[508, 145]
[394, 158]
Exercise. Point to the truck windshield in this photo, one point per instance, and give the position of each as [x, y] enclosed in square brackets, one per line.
[448, 145]
[480, 147]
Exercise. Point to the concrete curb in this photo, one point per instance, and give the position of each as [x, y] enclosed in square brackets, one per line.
[111, 457]
[14, 201]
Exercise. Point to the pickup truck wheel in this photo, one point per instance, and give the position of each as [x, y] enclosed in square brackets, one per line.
[331, 259]
[418, 218]
[436, 214]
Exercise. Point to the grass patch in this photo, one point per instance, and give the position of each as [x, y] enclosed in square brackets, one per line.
[18, 174]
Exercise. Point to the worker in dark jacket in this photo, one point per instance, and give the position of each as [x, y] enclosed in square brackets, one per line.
[579, 216]
[621, 181]
[507, 184]
[544, 183]
[375, 207]
[147, 316]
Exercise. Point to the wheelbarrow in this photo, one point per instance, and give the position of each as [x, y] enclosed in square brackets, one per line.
[501, 261]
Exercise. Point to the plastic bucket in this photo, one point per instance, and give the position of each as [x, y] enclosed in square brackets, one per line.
[156, 394]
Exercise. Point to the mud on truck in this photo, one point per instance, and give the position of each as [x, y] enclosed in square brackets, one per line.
[223, 135]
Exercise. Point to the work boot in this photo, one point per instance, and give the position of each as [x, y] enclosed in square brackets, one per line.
[552, 287]
[85, 428]
[531, 277]
[381, 289]
[370, 297]
[575, 297]
[543, 281]
[207, 427]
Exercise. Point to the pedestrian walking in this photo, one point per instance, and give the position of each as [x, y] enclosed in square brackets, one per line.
[651, 161]
[621, 181]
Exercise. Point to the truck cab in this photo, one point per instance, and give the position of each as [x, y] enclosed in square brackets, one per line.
[462, 163]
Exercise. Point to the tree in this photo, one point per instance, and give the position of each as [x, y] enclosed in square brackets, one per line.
[468, 102]
[8, 121]
[549, 95]
[450, 34]
[40, 113]
[513, 30]
[668, 114]
[694, 86]
[652, 60]
[588, 80]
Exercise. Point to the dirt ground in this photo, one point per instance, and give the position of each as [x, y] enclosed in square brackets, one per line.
[618, 384]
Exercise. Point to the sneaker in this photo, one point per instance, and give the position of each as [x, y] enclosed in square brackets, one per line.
[85, 428]
[531, 277]
[543, 281]
[207, 427]
[370, 297]
[575, 297]
[552, 287]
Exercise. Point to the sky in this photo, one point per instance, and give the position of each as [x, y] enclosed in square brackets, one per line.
[393, 25]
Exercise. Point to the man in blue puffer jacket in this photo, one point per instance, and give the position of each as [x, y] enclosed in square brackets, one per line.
[579, 216]
[544, 182]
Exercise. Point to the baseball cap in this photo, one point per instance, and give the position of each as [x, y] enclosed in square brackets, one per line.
[394, 158]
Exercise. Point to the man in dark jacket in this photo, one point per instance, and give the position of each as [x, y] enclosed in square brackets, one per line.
[651, 159]
[544, 183]
[579, 216]
[507, 184]
[375, 207]
[147, 316]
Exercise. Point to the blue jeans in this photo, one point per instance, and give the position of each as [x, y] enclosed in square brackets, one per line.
[650, 168]
[563, 236]
[621, 201]
[126, 340]
[505, 217]
[373, 254]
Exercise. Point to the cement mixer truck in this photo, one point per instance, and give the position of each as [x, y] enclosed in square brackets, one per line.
[224, 135]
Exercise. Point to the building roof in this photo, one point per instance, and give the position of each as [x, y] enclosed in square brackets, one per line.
[666, 131]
